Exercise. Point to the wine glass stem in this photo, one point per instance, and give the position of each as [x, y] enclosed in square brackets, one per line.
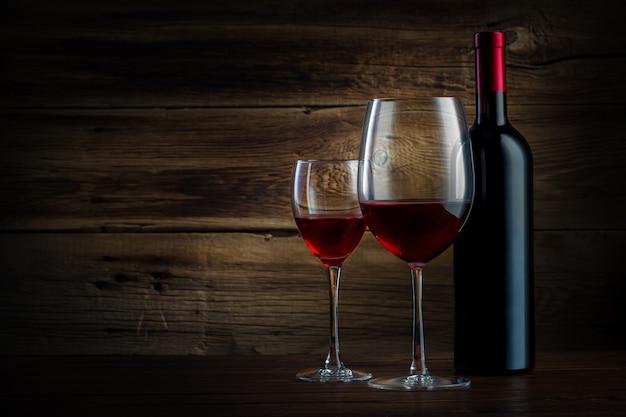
[333, 360]
[418, 363]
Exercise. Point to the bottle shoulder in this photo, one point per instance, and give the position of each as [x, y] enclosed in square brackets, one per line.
[493, 143]
[502, 134]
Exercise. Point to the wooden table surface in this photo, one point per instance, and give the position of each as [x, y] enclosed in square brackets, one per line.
[563, 384]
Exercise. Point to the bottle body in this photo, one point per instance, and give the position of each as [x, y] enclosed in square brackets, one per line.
[493, 255]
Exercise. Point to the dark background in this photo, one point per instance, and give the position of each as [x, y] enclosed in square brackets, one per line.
[146, 151]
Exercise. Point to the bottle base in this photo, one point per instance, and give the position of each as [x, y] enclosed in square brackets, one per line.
[492, 371]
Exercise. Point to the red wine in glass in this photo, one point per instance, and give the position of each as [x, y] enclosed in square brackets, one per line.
[415, 231]
[326, 210]
[416, 187]
[330, 237]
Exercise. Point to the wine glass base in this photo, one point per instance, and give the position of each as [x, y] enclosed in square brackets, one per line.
[332, 375]
[420, 383]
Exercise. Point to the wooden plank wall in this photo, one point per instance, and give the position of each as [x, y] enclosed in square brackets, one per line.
[146, 149]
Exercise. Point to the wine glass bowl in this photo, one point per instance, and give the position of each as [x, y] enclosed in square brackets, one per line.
[328, 216]
[415, 187]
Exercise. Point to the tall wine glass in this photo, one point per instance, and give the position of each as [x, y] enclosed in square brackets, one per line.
[416, 186]
[327, 213]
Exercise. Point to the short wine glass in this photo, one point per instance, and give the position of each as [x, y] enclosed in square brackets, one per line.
[416, 185]
[327, 212]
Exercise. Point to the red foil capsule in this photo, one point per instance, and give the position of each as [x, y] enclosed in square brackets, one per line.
[490, 65]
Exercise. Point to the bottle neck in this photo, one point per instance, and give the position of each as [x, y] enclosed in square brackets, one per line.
[491, 108]
[490, 78]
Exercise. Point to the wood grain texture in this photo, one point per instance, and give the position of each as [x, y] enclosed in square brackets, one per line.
[146, 149]
[248, 293]
[192, 53]
[209, 169]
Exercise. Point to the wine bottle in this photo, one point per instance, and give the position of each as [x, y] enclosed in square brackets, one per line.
[493, 255]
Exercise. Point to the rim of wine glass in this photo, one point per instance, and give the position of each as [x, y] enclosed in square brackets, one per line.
[425, 98]
[325, 161]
